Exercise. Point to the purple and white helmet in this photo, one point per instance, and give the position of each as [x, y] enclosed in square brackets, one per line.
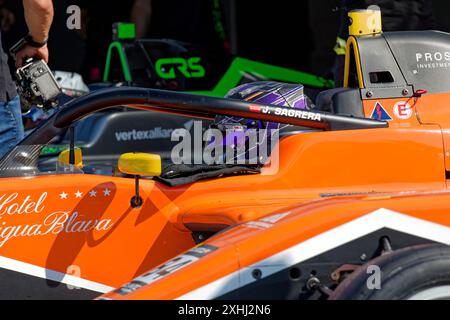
[270, 93]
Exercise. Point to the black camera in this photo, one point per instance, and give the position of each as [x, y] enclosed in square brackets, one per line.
[35, 82]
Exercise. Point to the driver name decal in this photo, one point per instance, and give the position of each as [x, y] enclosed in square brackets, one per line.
[289, 113]
[48, 223]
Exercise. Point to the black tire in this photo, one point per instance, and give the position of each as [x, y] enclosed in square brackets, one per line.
[405, 274]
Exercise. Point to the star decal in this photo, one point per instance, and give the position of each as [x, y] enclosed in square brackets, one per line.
[78, 194]
[92, 194]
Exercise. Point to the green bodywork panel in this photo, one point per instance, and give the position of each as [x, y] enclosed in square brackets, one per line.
[53, 150]
[240, 66]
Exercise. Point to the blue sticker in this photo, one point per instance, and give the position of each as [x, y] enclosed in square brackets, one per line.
[379, 113]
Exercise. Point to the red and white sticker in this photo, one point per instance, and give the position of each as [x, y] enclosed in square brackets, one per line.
[403, 110]
[255, 108]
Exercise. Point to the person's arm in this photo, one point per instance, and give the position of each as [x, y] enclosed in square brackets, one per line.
[39, 18]
[141, 16]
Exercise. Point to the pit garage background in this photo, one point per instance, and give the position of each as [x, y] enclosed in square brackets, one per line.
[294, 34]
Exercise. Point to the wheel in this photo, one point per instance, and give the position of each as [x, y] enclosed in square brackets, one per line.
[414, 273]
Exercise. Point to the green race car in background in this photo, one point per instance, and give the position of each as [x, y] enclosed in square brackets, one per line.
[174, 65]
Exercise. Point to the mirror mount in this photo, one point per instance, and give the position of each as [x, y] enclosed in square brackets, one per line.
[136, 201]
[72, 145]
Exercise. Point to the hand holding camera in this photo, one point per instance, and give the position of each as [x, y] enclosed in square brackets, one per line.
[30, 51]
[35, 82]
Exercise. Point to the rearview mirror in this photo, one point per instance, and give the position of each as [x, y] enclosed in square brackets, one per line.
[64, 158]
[140, 164]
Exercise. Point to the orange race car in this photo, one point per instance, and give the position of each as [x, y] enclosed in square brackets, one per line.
[357, 184]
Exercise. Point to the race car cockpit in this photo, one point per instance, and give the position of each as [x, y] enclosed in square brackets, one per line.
[23, 160]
